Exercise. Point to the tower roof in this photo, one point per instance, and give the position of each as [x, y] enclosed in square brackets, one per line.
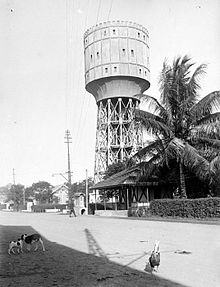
[118, 23]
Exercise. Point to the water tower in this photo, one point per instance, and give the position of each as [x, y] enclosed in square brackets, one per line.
[116, 69]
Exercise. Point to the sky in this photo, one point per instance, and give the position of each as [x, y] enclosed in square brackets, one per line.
[42, 88]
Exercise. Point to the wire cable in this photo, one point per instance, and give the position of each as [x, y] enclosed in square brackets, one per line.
[110, 9]
[98, 11]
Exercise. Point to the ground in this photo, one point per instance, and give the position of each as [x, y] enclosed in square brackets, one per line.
[95, 251]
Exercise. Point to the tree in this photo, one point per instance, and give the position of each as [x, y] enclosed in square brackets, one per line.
[16, 194]
[80, 187]
[115, 168]
[42, 191]
[4, 192]
[182, 125]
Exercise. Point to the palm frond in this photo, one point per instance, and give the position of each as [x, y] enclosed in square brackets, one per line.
[196, 163]
[165, 86]
[175, 148]
[152, 123]
[211, 130]
[149, 167]
[150, 150]
[215, 170]
[215, 164]
[175, 87]
[193, 85]
[156, 107]
[210, 118]
[214, 143]
[206, 105]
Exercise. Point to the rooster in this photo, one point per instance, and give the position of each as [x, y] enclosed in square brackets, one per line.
[154, 259]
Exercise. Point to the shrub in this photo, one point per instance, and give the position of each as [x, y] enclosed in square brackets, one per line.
[141, 211]
[2, 206]
[194, 208]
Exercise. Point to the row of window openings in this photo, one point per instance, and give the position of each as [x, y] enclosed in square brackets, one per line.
[115, 70]
[114, 33]
[123, 50]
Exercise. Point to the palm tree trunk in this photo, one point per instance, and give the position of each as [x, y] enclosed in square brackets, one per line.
[182, 181]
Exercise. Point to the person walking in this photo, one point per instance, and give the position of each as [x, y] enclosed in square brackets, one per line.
[72, 210]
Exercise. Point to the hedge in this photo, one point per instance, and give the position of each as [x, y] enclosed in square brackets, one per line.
[43, 207]
[192, 208]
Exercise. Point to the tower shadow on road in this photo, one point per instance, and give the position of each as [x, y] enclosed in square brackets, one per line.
[93, 246]
[66, 267]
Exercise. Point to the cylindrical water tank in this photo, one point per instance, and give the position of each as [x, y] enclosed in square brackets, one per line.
[116, 60]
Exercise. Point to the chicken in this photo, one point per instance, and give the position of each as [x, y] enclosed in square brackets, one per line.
[154, 259]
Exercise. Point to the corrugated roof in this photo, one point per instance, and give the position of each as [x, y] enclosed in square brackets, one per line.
[126, 177]
[123, 177]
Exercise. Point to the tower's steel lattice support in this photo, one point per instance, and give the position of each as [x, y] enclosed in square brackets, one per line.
[118, 136]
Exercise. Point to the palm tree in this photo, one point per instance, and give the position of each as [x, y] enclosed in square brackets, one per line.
[183, 127]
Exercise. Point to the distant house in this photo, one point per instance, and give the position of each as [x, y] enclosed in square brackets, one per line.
[60, 194]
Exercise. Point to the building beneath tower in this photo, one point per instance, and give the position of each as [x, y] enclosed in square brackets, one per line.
[116, 70]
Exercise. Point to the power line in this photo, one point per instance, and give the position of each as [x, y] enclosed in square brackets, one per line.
[98, 11]
[13, 175]
[76, 142]
[110, 9]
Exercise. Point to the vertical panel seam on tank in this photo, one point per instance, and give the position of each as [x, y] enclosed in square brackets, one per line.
[136, 52]
[110, 52]
[128, 54]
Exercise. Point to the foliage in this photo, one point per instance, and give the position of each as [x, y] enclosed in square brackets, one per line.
[114, 168]
[196, 208]
[185, 208]
[182, 126]
[42, 191]
[80, 187]
[29, 193]
[141, 211]
[4, 192]
[16, 194]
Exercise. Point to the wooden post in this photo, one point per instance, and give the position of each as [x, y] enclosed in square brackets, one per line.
[87, 194]
[95, 201]
[104, 200]
[148, 195]
[127, 197]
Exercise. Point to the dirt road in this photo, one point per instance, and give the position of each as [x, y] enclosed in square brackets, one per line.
[94, 251]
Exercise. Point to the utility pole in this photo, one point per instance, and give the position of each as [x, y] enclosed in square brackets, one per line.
[24, 196]
[13, 174]
[87, 194]
[68, 138]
